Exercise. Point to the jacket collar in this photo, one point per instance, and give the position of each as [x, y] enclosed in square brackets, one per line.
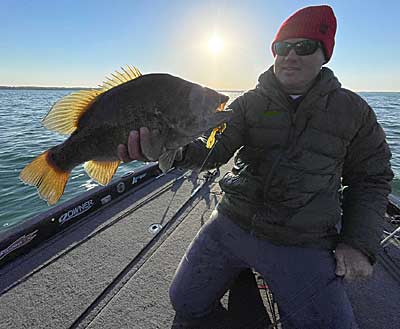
[325, 83]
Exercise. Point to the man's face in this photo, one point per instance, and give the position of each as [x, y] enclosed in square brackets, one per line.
[297, 73]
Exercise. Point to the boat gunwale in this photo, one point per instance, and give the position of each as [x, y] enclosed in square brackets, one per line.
[25, 236]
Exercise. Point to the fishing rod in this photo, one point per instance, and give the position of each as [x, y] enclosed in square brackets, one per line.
[385, 241]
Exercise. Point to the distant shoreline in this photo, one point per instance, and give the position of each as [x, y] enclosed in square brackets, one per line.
[76, 88]
[41, 88]
[88, 88]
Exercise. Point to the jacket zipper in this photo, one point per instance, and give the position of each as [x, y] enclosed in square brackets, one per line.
[268, 180]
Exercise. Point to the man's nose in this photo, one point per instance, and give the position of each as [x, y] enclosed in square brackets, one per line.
[291, 55]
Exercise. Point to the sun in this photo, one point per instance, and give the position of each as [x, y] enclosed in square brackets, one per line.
[215, 44]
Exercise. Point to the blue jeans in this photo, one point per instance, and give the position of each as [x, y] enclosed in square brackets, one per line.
[302, 280]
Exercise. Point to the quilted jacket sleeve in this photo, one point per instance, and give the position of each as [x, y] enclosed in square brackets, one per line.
[367, 175]
[230, 140]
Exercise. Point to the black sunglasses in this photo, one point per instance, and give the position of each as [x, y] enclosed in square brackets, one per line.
[302, 48]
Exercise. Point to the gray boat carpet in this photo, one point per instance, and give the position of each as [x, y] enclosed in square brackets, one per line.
[56, 295]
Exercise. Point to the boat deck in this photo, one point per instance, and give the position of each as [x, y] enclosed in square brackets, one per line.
[113, 269]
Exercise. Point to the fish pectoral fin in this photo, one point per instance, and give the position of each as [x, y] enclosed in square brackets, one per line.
[152, 147]
[167, 159]
[49, 180]
[101, 171]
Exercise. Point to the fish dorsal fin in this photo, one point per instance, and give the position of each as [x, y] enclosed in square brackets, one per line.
[118, 78]
[65, 114]
[101, 171]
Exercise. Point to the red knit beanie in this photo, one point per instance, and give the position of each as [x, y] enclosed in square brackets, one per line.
[314, 22]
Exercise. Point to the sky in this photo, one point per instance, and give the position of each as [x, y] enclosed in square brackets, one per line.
[79, 42]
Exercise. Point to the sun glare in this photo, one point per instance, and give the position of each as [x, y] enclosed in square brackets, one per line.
[215, 44]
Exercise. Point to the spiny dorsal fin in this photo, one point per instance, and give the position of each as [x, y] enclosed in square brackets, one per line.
[101, 171]
[118, 78]
[65, 114]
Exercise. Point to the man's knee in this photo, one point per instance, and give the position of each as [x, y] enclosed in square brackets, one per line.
[187, 306]
[176, 297]
[180, 301]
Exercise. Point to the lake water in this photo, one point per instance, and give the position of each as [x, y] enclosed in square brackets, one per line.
[22, 137]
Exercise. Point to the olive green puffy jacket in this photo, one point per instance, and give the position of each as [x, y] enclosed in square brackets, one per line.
[292, 161]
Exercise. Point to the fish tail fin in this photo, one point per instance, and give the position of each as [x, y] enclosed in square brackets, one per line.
[101, 171]
[49, 180]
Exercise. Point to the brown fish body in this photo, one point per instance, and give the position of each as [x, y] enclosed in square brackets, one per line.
[101, 120]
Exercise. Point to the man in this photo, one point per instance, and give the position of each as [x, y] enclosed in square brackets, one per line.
[300, 135]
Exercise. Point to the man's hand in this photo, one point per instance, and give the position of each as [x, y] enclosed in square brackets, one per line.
[351, 263]
[143, 145]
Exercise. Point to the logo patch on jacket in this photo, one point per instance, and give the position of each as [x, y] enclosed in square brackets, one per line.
[271, 113]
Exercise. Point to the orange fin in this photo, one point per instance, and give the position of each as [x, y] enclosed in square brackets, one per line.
[118, 78]
[64, 116]
[49, 180]
[101, 171]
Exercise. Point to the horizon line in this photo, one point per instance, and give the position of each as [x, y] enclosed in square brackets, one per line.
[33, 87]
[77, 88]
